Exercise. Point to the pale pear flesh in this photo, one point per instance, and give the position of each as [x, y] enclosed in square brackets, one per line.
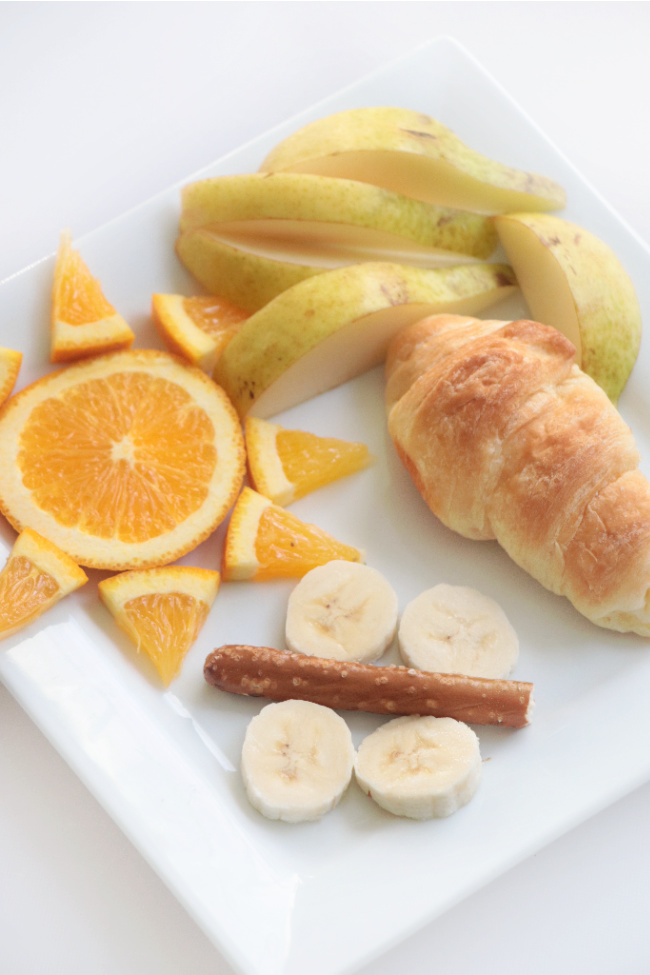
[542, 281]
[349, 352]
[573, 281]
[330, 244]
[412, 153]
[296, 206]
[331, 328]
[435, 181]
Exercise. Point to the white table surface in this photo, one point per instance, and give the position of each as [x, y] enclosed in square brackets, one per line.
[103, 105]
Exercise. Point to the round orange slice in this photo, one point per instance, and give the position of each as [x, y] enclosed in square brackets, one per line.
[197, 328]
[10, 362]
[124, 461]
[162, 610]
[36, 576]
[84, 323]
[264, 541]
[285, 465]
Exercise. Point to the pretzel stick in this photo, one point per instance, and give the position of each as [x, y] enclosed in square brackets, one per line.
[280, 676]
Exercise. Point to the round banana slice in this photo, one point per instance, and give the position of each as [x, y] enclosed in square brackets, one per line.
[457, 630]
[342, 610]
[297, 761]
[420, 767]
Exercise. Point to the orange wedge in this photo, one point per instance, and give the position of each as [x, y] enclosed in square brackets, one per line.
[36, 575]
[266, 542]
[162, 610]
[197, 328]
[124, 461]
[285, 465]
[84, 323]
[10, 362]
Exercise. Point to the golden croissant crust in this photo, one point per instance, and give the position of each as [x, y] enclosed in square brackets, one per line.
[507, 439]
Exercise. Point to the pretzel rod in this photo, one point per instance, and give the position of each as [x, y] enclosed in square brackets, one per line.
[280, 676]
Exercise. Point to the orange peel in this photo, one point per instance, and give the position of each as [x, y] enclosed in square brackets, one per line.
[198, 328]
[162, 610]
[36, 575]
[84, 323]
[124, 461]
[264, 541]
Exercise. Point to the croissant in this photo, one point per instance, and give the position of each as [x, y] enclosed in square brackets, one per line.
[507, 439]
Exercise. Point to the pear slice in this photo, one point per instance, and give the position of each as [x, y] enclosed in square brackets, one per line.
[316, 216]
[413, 154]
[244, 278]
[573, 281]
[332, 327]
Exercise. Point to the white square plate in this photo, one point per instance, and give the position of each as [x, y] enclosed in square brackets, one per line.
[326, 898]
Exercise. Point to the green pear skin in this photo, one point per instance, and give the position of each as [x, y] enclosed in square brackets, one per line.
[573, 281]
[345, 206]
[414, 154]
[332, 327]
[246, 279]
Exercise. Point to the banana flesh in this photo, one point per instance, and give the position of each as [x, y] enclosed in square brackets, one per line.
[420, 767]
[457, 630]
[297, 761]
[343, 611]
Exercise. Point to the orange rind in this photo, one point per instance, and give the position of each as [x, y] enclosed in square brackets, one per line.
[285, 465]
[10, 362]
[84, 323]
[36, 575]
[124, 461]
[264, 541]
[197, 328]
[162, 610]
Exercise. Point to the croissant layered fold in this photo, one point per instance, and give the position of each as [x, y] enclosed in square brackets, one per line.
[507, 439]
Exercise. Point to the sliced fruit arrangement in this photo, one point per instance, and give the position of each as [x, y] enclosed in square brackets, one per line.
[285, 465]
[411, 153]
[327, 218]
[162, 610]
[573, 281]
[332, 327]
[265, 541]
[343, 611]
[457, 630]
[251, 236]
[356, 225]
[124, 461]
[198, 328]
[420, 767]
[10, 362]
[297, 761]
[36, 575]
[84, 323]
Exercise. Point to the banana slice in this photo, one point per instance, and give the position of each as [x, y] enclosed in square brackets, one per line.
[297, 761]
[342, 610]
[457, 630]
[420, 767]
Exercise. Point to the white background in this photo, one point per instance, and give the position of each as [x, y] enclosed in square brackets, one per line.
[102, 106]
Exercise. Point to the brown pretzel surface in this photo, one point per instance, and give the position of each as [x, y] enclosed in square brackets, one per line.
[280, 675]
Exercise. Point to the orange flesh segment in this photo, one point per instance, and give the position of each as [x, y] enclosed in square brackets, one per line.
[132, 467]
[24, 592]
[78, 298]
[167, 625]
[212, 314]
[310, 461]
[285, 546]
